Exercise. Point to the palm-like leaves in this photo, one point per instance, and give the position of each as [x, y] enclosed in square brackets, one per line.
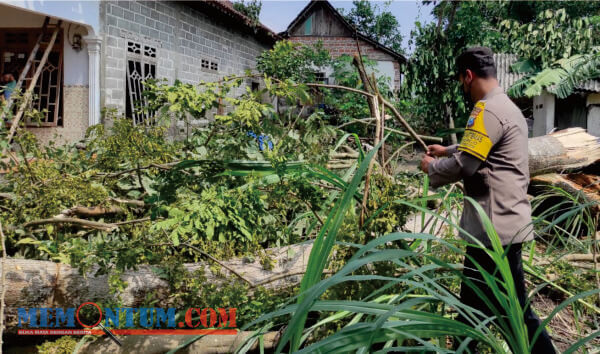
[561, 78]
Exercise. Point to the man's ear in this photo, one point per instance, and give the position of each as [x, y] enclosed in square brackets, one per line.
[468, 78]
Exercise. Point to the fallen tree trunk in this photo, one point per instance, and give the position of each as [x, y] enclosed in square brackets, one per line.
[588, 186]
[567, 149]
[162, 344]
[32, 283]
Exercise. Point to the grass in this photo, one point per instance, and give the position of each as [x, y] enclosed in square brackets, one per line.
[410, 311]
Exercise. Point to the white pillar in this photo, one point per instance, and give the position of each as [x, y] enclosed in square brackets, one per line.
[543, 114]
[93, 45]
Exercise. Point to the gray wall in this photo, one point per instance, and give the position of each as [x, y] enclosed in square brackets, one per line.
[183, 37]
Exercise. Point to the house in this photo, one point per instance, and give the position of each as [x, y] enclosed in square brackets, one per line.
[105, 49]
[548, 112]
[320, 21]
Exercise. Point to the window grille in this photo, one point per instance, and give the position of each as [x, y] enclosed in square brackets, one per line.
[320, 78]
[141, 66]
[15, 46]
[209, 65]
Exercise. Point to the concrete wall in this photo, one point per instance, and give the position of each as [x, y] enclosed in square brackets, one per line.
[543, 114]
[593, 116]
[338, 46]
[183, 37]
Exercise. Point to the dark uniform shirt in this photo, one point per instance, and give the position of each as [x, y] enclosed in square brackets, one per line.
[492, 159]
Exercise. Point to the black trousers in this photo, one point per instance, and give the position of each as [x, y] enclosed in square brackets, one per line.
[543, 344]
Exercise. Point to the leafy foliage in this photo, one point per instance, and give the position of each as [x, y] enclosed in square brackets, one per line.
[561, 77]
[551, 36]
[251, 9]
[293, 61]
[375, 22]
[430, 74]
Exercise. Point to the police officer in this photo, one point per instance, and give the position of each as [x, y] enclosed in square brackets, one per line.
[492, 159]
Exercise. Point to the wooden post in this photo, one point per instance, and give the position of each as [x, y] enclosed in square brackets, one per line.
[27, 95]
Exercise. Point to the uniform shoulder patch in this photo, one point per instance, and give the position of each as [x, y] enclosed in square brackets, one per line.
[476, 141]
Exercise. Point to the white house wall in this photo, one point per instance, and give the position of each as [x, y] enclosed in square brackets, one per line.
[75, 67]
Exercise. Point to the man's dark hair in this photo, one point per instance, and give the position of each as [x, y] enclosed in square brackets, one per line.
[480, 60]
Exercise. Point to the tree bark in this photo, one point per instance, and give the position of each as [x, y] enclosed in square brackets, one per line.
[162, 344]
[563, 150]
[574, 183]
[33, 283]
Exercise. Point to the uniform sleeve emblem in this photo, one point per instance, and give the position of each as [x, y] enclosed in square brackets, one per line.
[476, 141]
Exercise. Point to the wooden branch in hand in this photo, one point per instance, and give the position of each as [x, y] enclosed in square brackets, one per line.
[405, 124]
[367, 121]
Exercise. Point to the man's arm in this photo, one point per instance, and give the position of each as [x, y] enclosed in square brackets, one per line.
[458, 166]
[463, 160]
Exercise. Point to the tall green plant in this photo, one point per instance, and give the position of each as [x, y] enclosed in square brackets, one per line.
[322, 247]
[404, 320]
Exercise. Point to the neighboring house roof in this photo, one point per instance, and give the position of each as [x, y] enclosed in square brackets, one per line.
[507, 78]
[308, 10]
[224, 9]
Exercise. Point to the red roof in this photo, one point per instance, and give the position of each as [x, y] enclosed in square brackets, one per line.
[226, 8]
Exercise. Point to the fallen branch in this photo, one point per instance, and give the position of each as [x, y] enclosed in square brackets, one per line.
[165, 166]
[132, 202]
[405, 124]
[162, 344]
[135, 221]
[81, 222]
[233, 271]
[367, 121]
[90, 211]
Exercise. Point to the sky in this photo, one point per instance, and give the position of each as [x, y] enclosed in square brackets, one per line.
[277, 14]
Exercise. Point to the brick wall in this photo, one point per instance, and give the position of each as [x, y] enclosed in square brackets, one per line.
[183, 37]
[338, 46]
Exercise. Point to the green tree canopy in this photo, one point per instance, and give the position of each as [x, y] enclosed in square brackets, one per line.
[376, 22]
[537, 31]
[251, 8]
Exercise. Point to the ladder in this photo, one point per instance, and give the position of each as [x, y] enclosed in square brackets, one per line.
[28, 93]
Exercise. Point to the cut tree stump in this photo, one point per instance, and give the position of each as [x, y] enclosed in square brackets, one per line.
[587, 185]
[32, 283]
[563, 150]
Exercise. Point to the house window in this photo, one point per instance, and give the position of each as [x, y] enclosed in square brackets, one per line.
[16, 45]
[141, 66]
[320, 78]
[209, 65]
[308, 26]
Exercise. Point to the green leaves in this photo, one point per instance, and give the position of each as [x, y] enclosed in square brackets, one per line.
[293, 61]
[552, 36]
[561, 77]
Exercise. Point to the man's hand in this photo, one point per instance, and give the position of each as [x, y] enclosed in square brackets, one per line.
[425, 161]
[437, 150]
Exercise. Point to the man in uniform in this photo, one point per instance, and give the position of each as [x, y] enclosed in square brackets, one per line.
[492, 159]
